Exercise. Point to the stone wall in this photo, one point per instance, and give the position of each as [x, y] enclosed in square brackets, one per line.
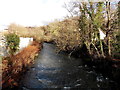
[3, 51]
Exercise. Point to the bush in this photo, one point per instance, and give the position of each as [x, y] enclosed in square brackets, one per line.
[12, 41]
[65, 34]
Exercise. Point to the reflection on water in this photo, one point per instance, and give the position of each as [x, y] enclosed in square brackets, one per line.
[53, 70]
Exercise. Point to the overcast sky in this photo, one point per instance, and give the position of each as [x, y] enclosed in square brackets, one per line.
[31, 12]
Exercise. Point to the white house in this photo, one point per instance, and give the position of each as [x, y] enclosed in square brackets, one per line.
[24, 42]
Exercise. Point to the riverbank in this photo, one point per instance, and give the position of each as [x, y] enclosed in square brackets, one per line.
[48, 64]
[58, 70]
[13, 67]
[107, 66]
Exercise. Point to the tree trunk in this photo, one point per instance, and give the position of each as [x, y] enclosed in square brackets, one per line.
[101, 46]
[109, 46]
[96, 50]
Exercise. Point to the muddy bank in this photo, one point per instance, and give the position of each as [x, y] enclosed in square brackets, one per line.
[13, 67]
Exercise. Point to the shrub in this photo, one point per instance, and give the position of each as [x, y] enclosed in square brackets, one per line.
[65, 34]
[12, 41]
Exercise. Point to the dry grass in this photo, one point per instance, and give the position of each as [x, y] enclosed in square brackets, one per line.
[15, 65]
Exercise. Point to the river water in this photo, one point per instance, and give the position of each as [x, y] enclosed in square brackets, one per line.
[52, 70]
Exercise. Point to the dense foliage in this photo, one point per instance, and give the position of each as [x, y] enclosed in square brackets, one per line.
[84, 26]
[12, 41]
[65, 34]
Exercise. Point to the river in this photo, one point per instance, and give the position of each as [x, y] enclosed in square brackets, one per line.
[52, 70]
